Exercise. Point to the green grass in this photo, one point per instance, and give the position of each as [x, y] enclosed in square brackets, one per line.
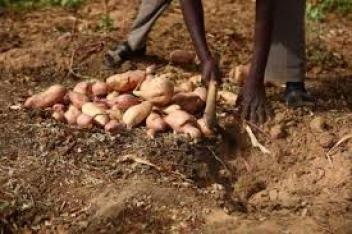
[318, 9]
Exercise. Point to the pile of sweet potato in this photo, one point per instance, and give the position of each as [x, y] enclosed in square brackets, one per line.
[128, 100]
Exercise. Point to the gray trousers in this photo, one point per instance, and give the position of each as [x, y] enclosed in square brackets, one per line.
[286, 61]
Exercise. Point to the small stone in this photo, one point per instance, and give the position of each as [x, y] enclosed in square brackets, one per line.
[327, 140]
[318, 125]
[277, 132]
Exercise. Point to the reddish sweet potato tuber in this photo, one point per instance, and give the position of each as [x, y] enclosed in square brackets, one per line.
[115, 113]
[54, 94]
[83, 87]
[124, 101]
[201, 92]
[182, 57]
[59, 112]
[158, 91]
[99, 114]
[189, 102]
[77, 99]
[204, 128]
[84, 121]
[113, 126]
[136, 114]
[184, 87]
[182, 122]
[171, 108]
[72, 114]
[99, 89]
[155, 123]
[125, 82]
[112, 95]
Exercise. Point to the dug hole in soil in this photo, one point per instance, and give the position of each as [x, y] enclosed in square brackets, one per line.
[58, 178]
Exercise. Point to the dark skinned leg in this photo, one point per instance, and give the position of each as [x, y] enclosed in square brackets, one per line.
[194, 18]
[252, 100]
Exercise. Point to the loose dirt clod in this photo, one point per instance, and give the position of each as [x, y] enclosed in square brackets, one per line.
[327, 140]
[318, 125]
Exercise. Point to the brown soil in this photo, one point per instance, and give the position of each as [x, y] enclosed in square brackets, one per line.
[60, 179]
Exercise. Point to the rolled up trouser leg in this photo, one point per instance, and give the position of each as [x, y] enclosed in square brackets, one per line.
[149, 12]
[286, 61]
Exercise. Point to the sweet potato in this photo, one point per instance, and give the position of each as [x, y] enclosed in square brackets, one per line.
[155, 123]
[99, 114]
[125, 82]
[59, 112]
[54, 94]
[83, 87]
[229, 98]
[188, 102]
[113, 126]
[191, 131]
[158, 91]
[124, 101]
[112, 95]
[182, 57]
[184, 87]
[150, 70]
[99, 89]
[77, 99]
[115, 113]
[84, 121]
[201, 92]
[136, 114]
[182, 122]
[72, 114]
[202, 125]
[171, 108]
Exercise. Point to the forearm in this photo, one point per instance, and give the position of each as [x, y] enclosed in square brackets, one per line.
[194, 19]
[262, 39]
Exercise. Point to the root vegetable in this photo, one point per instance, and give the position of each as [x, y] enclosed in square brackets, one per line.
[228, 97]
[124, 101]
[182, 57]
[72, 114]
[83, 87]
[204, 128]
[125, 82]
[113, 126]
[178, 118]
[150, 70]
[59, 112]
[77, 99]
[54, 94]
[85, 121]
[172, 108]
[136, 114]
[115, 113]
[99, 114]
[59, 116]
[158, 91]
[201, 92]
[112, 95]
[155, 123]
[185, 87]
[191, 131]
[189, 102]
[99, 89]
